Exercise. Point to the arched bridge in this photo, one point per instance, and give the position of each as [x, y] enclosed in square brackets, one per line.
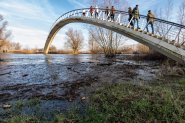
[168, 39]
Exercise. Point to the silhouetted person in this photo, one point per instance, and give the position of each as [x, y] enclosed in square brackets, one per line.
[91, 11]
[107, 12]
[136, 15]
[130, 16]
[96, 12]
[150, 21]
[113, 13]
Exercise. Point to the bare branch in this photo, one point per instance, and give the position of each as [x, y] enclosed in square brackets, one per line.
[74, 40]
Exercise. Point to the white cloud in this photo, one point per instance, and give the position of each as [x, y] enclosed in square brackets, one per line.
[33, 37]
[27, 10]
[29, 37]
[22, 15]
[77, 3]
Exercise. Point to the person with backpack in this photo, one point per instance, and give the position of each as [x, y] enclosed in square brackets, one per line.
[150, 21]
[136, 15]
[130, 16]
[113, 13]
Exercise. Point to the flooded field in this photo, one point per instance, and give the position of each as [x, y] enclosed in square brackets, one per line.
[62, 81]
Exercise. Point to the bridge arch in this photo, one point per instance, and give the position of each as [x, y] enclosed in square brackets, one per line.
[156, 43]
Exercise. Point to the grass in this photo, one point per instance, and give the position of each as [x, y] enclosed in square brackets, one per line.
[116, 103]
[22, 119]
[134, 103]
[19, 104]
[33, 102]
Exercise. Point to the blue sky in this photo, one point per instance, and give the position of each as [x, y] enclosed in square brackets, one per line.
[31, 20]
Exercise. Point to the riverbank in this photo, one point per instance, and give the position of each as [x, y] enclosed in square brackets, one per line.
[162, 101]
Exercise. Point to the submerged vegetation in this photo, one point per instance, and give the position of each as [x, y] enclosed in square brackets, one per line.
[156, 102]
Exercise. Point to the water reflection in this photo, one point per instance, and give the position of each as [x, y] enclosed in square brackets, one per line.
[48, 59]
[75, 59]
[37, 69]
[4, 59]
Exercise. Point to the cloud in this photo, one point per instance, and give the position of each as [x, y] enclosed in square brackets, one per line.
[78, 4]
[29, 21]
[27, 10]
[33, 37]
[29, 37]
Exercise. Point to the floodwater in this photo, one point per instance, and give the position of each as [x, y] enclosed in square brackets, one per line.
[59, 80]
[54, 69]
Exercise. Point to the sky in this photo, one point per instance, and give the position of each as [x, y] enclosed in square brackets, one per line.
[30, 20]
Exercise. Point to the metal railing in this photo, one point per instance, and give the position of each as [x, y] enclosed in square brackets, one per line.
[170, 32]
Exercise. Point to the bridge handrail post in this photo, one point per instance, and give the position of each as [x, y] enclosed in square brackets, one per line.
[88, 13]
[99, 15]
[118, 18]
[178, 35]
[183, 42]
[145, 26]
[167, 32]
[103, 15]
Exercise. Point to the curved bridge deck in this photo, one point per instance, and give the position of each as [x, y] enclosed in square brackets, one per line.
[168, 39]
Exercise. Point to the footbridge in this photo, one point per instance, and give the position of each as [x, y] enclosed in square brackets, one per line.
[168, 39]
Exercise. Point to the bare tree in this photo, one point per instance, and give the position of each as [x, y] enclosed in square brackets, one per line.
[165, 14]
[15, 46]
[4, 34]
[181, 19]
[169, 10]
[74, 40]
[52, 48]
[108, 40]
[181, 15]
[93, 45]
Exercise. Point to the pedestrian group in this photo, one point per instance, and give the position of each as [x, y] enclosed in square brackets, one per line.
[134, 16]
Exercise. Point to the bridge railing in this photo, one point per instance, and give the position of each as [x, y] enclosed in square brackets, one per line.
[170, 32]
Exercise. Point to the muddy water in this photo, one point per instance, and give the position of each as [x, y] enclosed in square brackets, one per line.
[61, 80]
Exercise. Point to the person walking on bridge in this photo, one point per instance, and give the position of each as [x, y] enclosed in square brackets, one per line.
[130, 16]
[136, 16]
[150, 21]
[96, 12]
[91, 10]
[113, 11]
[107, 12]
